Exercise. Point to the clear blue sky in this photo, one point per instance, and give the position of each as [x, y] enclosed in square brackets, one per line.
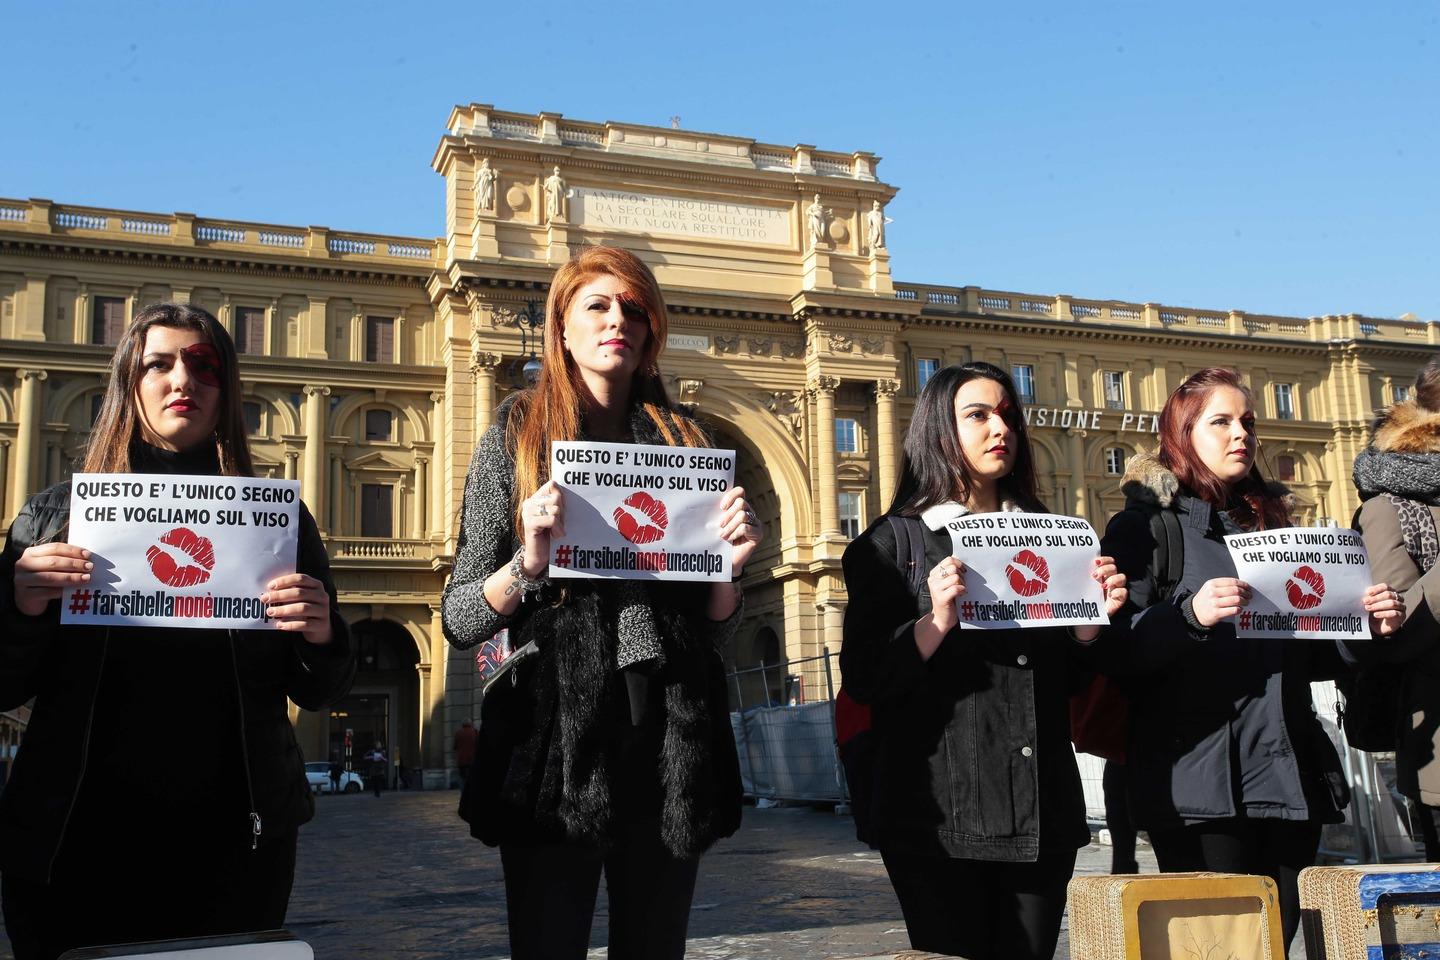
[1270, 157]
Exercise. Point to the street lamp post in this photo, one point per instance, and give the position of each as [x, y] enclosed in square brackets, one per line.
[531, 323]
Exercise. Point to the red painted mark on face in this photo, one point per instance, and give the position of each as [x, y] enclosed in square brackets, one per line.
[203, 362]
[1026, 562]
[1299, 597]
[191, 545]
[634, 528]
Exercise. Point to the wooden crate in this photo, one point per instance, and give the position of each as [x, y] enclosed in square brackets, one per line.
[1175, 916]
[1384, 911]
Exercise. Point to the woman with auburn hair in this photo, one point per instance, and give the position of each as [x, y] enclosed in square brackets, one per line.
[1229, 768]
[977, 805]
[159, 789]
[617, 752]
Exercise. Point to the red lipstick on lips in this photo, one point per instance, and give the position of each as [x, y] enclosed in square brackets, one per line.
[1295, 589]
[634, 528]
[1026, 561]
[184, 404]
[193, 547]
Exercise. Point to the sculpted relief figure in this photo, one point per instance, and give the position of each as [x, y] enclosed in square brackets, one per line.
[485, 179]
[875, 222]
[815, 215]
[555, 194]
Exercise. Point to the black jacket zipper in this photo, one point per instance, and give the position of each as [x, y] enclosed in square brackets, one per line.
[244, 746]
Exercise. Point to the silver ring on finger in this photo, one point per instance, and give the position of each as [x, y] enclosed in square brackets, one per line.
[542, 511]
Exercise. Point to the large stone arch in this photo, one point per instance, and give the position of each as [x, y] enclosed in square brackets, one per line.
[773, 447]
[353, 403]
[288, 422]
[67, 396]
[356, 614]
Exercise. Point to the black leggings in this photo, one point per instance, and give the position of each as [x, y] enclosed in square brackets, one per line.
[550, 891]
[1117, 819]
[982, 909]
[1278, 849]
[1427, 818]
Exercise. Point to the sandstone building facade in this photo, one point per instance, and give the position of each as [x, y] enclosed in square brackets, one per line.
[372, 363]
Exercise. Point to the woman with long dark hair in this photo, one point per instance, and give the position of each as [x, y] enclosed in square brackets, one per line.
[159, 787]
[1229, 768]
[977, 809]
[1398, 476]
[621, 757]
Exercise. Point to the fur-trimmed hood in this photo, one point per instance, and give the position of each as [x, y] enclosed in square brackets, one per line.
[1149, 481]
[1403, 457]
[1405, 428]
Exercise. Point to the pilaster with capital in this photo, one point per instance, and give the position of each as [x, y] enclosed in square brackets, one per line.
[312, 479]
[885, 390]
[482, 366]
[822, 387]
[27, 437]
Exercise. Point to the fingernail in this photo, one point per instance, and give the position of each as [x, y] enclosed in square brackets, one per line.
[84, 576]
[89, 566]
[85, 554]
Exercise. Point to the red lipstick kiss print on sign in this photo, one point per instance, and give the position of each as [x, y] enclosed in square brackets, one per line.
[1026, 562]
[1301, 598]
[634, 528]
[193, 547]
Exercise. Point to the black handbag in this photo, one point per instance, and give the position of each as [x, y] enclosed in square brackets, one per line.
[504, 721]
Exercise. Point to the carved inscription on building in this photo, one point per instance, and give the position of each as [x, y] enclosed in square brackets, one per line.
[679, 216]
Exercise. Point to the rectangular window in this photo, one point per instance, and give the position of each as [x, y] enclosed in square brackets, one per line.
[1284, 401]
[107, 322]
[1402, 393]
[379, 425]
[850, 521]
[847, 435]
[1024, 377]
[251, 410]
[250, 330]
[1114, 390]
[925, 368]
[1285, 468]
[376, 518]
[380, 339]
[1114, 461]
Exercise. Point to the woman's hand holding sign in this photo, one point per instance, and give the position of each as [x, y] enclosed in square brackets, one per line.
[1386, 608]
[947, 584]
[299, 602]
[740, 528]
[44, 571]
[1219, 599]
[1116, 590]
[541, 516]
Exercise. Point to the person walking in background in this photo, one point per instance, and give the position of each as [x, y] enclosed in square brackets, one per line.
[377, 767]
[1229, 768]
[1398, 477]
[977, 807]
[624, 761]
[465, 749]
[336, 771]
[122, 821]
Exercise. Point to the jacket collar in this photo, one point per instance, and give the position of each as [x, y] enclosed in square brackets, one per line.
[1406, 428]
[935, 517]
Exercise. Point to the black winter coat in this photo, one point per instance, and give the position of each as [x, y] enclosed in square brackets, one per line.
[1220, 726]
[64, 669]
[974, 759]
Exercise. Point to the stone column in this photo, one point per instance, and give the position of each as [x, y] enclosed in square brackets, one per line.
[483, 365]
[435, 751]
[1075, 440]
[823, 388]
[422, 496]
[885, 438]
[312, 482]
[291, 457]
[27, 438]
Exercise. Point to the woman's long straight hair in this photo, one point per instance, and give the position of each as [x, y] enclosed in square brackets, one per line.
[117, 426]
[1252, 503]
[551, 409]
[934, 469]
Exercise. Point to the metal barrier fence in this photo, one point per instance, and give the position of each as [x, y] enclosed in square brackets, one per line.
[783, 718]
[784, 723]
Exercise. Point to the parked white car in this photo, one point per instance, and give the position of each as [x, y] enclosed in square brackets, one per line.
[318, 773]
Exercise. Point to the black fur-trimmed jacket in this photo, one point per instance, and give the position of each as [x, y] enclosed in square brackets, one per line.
[1220, 726]
[570, 771]
[62, 668]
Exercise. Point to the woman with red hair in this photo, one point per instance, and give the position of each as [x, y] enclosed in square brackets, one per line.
[1229, 768]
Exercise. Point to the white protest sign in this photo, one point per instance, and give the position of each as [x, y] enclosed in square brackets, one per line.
[639, 512]
[1027, 570]
[1307, 582]
[180, 551]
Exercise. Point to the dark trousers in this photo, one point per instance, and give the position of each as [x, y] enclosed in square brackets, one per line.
[1427, 818]
[1117, 819]
[1278, 849]
[100, 903]
[550, 891]
[981, 909]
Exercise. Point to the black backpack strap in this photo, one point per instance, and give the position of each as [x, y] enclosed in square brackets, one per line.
[909, 549]
[1169, 561]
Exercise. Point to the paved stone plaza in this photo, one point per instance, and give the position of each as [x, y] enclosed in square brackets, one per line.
[399, 877]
